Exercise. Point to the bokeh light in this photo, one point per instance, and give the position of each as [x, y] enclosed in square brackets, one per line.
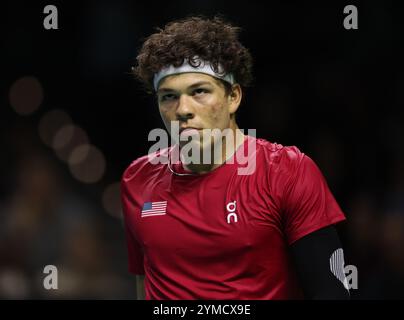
[67, 139]
[26, 95]
[51, 123]
[63, 136]
[111, 200]
[87, 163]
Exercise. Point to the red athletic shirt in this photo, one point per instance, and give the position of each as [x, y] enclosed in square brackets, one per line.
[222, 235]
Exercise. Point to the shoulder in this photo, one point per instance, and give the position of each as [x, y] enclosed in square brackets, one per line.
[145, 165]
[291, 170]
[281, 158]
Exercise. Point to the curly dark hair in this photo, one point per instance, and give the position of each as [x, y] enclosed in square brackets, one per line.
[212, 40]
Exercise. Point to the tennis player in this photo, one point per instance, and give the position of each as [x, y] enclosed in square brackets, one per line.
[204, 229]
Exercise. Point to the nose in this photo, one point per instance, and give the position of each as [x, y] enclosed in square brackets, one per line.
[184, 110]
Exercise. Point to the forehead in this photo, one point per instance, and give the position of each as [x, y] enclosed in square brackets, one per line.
[185, 80]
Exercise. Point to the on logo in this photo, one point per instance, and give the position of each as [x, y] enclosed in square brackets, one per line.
[231, 212]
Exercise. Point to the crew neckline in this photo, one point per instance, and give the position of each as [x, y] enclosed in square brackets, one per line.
[180, 169]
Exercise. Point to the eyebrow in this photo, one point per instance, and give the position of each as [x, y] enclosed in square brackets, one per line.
[196, 84]
[200, 83]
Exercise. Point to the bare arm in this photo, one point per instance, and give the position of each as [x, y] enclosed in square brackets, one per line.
[140, 287]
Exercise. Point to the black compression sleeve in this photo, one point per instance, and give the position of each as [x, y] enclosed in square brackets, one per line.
[319, 263]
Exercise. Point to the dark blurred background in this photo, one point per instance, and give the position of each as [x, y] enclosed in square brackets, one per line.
[73, 118]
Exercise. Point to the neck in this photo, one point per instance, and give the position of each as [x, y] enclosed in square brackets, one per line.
[228, 148]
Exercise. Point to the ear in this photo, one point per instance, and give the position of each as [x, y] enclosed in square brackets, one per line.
[234, 98]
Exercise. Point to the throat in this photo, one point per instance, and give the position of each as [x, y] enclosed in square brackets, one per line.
[217, 154]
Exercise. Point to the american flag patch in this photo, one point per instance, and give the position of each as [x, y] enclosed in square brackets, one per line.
[154, 209]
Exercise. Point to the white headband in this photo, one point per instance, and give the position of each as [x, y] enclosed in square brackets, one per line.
[202, 67]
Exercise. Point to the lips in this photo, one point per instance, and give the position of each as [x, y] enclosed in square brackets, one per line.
[189, 131]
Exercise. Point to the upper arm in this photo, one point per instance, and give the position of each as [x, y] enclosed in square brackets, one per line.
[134, 248]
[319, 263]
[308, 204]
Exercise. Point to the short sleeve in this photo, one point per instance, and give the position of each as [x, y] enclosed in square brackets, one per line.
[135, 252]
[308, 204]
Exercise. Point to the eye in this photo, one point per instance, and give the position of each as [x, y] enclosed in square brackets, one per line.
[168, 97]
[200, 91]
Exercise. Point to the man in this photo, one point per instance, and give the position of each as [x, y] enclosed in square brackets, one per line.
[204, 229]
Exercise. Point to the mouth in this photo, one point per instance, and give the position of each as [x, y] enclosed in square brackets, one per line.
[185, 132]
[189, 129]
